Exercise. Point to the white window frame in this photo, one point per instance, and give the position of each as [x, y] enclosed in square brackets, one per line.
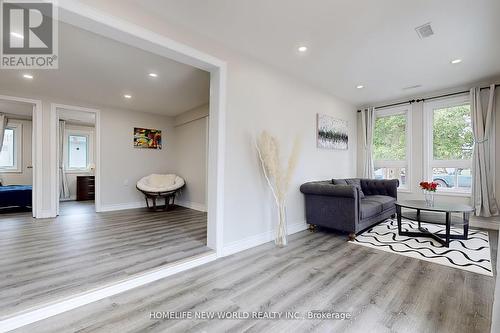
[18, 148]
[392, 111]
[90, 149]
[429, 162]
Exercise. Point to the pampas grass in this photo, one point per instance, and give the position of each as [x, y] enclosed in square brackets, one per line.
[277, 177]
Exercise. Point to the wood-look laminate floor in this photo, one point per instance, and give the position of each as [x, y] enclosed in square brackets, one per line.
[383, 292]
[49, 259]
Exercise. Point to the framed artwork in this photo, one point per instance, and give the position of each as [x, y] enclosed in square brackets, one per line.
[332, 133]
[147, 138]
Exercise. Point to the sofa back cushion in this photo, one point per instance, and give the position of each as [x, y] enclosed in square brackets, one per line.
[380, 187]
[356, 182]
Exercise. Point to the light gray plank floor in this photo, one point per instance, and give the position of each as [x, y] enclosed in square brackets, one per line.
[384, 292]
[46, 260]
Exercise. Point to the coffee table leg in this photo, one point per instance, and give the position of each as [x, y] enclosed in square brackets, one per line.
[466, 225]
[418, 218]
[448, 227]
[398, 212]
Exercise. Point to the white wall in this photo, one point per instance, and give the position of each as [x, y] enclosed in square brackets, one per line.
[190, 151]
[25, 177]
[259, 97]
[122, 165]
[417, 153]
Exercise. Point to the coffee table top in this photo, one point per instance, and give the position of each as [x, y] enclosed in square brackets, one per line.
[438, 206]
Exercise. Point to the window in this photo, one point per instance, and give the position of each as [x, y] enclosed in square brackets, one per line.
[77, 152]
[449, 144]
[10, 154]
[390, 144]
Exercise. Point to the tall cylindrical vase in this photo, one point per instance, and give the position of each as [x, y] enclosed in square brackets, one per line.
[281, 230]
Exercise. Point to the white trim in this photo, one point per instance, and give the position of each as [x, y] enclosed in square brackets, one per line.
[54, 308]
[37, 153]
[142, 204]
[90, 135]
[122, 206]
[407, 163]
[256, 240]
[55, 155]
[428, 158]
[192, 205]
[18, 167]
[88, 18]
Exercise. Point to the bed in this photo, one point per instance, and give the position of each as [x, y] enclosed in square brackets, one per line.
[15, 196]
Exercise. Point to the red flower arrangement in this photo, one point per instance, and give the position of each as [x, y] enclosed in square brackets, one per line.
[429, 186]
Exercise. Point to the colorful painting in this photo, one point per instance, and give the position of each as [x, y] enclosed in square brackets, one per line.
[332, 133]
[147, 138]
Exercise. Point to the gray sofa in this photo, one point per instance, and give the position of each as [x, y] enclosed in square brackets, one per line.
[350, 205]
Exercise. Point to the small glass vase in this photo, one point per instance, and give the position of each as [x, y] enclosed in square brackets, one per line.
[281, 230]
[429, 198]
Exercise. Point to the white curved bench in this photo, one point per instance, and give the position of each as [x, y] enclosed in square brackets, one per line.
[157, 186]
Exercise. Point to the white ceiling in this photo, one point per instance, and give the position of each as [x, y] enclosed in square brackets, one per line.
[97, 71]
[353, 42]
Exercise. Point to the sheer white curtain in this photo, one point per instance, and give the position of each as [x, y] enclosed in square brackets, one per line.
[63, 182]
[483, 158]
[3, 124]
[368, 127]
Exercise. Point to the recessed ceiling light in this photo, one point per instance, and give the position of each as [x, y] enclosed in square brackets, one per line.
[127, 96]
[28, 76]
[17, 35]
[153, 74]
[360, 86]
[456, 61]
[302, 49]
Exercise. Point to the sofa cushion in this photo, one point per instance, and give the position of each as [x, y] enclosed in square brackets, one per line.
[351, 181]
[369, 208]
[384, 200]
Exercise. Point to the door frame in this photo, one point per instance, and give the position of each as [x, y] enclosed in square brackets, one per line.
[107, 25]
[54, 138]
[36, 153]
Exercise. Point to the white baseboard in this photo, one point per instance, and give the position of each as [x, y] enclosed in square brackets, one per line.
[45, 214]
[256, 240]
[122, 206]
[52, 309]
[142, 204]
[192, 205]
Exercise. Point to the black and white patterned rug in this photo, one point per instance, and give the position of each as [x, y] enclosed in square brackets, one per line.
[472, 255]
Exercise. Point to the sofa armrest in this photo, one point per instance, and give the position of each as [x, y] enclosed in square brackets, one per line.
[328, 189]
[380, 187]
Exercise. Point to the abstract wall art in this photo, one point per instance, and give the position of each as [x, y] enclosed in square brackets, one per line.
[147, 138]
[332, 133]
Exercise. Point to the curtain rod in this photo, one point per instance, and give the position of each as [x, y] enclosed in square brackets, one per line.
[428, 98]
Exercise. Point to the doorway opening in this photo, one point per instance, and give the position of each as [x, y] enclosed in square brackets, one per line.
[78, 144]
[18, 117]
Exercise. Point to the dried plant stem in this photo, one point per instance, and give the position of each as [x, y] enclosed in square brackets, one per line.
[277, 178]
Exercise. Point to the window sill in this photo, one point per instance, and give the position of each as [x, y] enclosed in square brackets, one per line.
[77, 171]
[404, 190]
[453, 194]
[10, 171]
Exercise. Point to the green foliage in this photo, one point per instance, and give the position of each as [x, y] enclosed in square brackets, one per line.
[389, 139]
[452, 133]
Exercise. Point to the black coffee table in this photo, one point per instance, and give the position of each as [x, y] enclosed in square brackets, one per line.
[440, 214]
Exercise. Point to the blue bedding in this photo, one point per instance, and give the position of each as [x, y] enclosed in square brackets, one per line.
[15, 196]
